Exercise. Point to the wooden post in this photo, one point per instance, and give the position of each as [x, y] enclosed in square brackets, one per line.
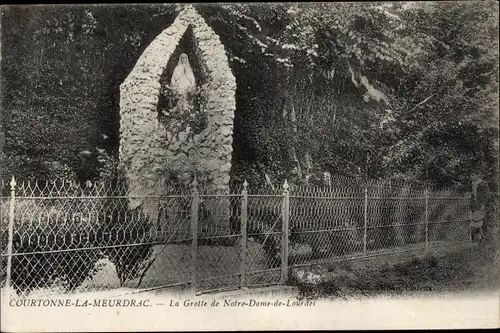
[426, 193]
[11, 230]
[285, 230]
[194, 233]
[365, 223]
[243, 230]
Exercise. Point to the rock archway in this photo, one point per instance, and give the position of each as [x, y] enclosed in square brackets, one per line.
[147, 150]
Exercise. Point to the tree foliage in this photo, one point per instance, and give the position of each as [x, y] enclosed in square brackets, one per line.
[431, 68]
[374, 90]
[61, 71]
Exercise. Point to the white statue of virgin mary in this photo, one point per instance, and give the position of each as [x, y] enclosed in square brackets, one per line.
[183, 80]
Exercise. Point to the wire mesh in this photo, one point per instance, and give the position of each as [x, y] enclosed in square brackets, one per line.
[4, 220]
[218, 247]
[264, 231]
[396, 218]
[71, 241]
[68, 237]
[325, 224]
[448, 219]
[329, 223]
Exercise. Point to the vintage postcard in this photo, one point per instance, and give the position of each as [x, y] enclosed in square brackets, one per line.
[240, 166]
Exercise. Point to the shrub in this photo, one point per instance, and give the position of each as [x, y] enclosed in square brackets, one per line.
[173, 115]
[108, 165]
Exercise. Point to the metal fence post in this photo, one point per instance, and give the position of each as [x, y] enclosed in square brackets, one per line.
[426, 193]
[365, 222]
[285, 231]
[194, 233]
[243, 230]
[11, 230]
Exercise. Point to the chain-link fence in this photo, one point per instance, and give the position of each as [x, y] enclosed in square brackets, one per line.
[62, 237]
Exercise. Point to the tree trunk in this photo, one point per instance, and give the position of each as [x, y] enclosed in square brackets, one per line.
[293, 142]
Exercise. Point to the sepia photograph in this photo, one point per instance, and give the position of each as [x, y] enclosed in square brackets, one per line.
[236, 166]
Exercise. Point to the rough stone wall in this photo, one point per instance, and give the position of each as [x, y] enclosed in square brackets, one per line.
[145, 153]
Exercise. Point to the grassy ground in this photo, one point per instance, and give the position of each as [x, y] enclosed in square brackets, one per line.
[465, 269]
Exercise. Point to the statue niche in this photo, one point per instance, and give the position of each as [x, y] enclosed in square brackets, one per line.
[182, 95]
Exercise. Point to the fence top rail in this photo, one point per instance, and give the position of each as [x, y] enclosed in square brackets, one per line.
[327, 197]
[61, 188]
[338, 189]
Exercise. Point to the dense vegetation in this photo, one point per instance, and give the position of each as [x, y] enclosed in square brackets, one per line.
[458, 271]
[361, 89]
